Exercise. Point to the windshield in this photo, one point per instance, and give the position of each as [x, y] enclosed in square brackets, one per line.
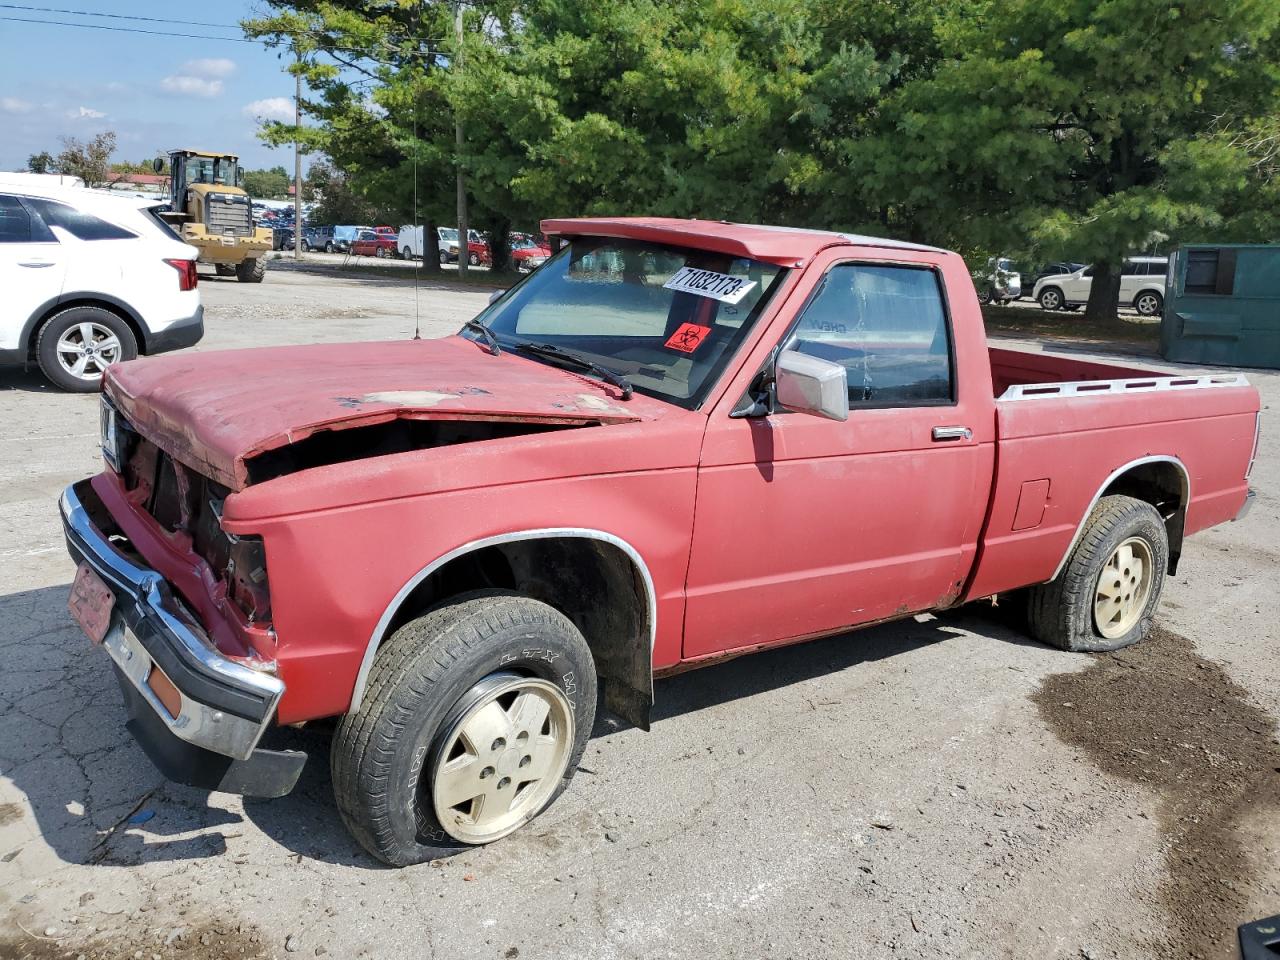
[448, 233]
[220, 170]
[523, 243]
[666, 318]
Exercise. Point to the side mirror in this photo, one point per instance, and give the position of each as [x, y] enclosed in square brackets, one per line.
[158, 165]
[807, 384]
[493, 297]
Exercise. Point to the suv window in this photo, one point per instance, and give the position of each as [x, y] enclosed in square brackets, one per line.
[79, 224]
[887, 327]
[15, 222]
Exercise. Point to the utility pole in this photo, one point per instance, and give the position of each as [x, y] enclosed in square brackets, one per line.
[463, 235]
[297, 163]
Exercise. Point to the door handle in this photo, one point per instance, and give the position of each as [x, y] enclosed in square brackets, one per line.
[35, 263]
[952, 433]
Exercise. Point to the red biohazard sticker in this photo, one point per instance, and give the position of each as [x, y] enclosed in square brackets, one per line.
[688, 338]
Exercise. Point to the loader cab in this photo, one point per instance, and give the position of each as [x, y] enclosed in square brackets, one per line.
[187, 168]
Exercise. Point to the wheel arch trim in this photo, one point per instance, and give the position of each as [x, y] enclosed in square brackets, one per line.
[1115, 475]
[543, 533]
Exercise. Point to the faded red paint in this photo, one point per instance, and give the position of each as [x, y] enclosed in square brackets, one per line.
[756, 531]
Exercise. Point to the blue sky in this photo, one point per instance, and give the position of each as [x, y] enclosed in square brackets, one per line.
[155, 92]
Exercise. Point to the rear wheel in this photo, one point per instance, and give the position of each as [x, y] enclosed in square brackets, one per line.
[77, 345]
[1050, 298]
[251, 270]
[380, 252]
[1148, 303]
[1108, 591]
[473, 722]
[406, 254]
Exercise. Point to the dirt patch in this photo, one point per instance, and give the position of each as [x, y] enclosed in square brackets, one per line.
[209, 940]
[10, 813]
[1160, 715]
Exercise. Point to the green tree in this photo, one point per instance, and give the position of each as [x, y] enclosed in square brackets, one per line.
[41, 162]
[335, 202]
[1081, 129]
[270, 184]
[89, 160]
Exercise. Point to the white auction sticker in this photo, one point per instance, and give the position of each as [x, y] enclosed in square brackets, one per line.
[708, 283]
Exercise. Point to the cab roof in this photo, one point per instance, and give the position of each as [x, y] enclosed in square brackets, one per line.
[204, 153]
[780, 245]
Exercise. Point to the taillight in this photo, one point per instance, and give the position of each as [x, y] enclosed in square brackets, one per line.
[187, 276]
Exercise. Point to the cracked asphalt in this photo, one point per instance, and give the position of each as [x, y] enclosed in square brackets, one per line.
[890, 793]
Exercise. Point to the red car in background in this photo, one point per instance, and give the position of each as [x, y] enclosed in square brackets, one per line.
[526, 253]
[374, 243]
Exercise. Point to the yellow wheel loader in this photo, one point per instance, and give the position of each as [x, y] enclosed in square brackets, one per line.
[213, 213]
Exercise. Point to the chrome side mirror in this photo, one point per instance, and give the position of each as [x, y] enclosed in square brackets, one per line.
[808, 384]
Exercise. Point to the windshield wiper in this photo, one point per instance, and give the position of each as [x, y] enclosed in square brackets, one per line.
[489, 337]
[558, 353]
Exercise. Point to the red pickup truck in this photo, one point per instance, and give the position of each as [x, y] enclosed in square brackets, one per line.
[676, 441]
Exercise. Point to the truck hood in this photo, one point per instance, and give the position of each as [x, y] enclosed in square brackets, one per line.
[216, 411]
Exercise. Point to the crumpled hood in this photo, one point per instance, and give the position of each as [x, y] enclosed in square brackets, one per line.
[213, 411]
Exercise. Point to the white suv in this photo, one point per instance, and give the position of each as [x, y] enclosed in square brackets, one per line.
[1141, 286]
[90, 279]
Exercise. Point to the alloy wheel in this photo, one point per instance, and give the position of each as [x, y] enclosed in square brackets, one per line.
[87, 349]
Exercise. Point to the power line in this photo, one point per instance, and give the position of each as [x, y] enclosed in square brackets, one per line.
[118, 16]
[102, 26]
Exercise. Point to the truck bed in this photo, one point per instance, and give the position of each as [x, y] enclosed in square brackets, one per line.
[1069, 430]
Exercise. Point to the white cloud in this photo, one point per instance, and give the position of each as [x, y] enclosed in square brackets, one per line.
[184, 85]
[209, 68]
[85, 113]
[14, 105]
[272, 108]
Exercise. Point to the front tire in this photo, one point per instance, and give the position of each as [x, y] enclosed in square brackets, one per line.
[78, 344]
[1148, 303]
[406, 254]
[1050, 299]
[473, 722]
[251, 270]
[1108, 591]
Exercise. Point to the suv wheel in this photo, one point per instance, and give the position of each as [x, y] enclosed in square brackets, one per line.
[77, 345]
[1148, 303]
[473, 722]
[1050, 298]
[328, 247]
[1106, 595]
[444, 258]
[306, 247]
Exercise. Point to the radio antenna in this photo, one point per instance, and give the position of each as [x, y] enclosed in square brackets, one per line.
[417, 224]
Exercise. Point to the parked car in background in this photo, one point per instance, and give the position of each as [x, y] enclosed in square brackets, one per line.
[333, 239]
[1054, 269]
[1000, 282]
[90, 279]
[477, 247]
[526, 254]
[1142, 282]
[371, 243]
[677, 441]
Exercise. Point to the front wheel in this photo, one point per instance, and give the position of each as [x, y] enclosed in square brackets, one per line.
[474, 259]
[1148, 303]
[473, 722]
[1108, 591]
[1050, 298]
[306, 247]
[406, 254]
[444, 258]
[251, 270]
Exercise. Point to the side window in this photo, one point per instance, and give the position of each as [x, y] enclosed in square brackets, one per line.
[79, 224]
[887, 327]
[1210, 271]
[15, 222]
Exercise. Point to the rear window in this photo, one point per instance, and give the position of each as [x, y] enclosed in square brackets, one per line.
[84, 226]
[15, 222]
[153, 214]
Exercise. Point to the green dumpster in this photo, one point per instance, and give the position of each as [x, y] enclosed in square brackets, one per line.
[1222, 305]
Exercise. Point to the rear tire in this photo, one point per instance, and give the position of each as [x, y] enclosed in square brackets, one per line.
[58, 347]
[406, 254]
[1102, 601]
[251, 271]
[427, 683]
[1148, 303]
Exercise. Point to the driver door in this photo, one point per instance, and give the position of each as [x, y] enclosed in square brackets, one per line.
[804, 526]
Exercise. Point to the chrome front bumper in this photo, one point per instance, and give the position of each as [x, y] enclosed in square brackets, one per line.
[226, 706]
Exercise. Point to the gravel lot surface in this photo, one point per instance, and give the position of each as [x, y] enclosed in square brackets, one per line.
[934, 788]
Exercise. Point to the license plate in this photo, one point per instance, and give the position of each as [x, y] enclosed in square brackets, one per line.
[91, 603]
